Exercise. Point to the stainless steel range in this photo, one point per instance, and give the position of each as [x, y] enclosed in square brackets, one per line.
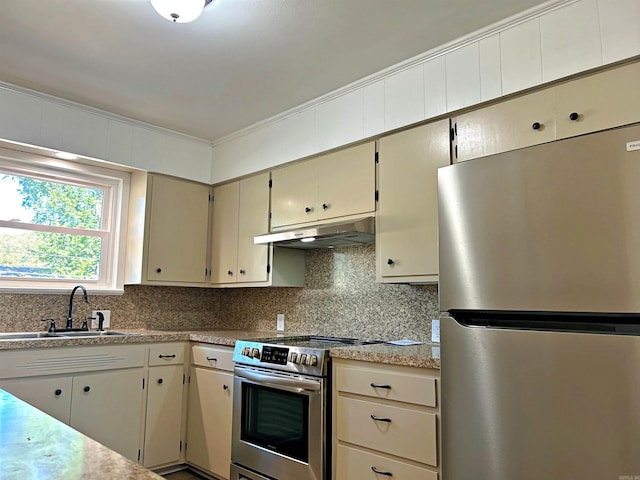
[281, 408]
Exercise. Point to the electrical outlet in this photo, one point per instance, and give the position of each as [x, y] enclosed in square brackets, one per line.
[280, 322]
[107, 318]
[435, 331]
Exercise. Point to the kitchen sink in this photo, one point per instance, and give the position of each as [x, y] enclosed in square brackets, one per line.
[36, 335]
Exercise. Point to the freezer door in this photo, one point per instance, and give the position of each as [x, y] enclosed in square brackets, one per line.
[532, 405]
[554, 227]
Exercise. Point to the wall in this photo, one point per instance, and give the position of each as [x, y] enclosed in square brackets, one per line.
[340, 297]
[555, 40]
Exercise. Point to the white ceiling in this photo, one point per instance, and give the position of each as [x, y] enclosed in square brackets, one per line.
[241, 62]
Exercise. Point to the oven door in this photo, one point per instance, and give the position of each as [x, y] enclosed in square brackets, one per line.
[279, 424]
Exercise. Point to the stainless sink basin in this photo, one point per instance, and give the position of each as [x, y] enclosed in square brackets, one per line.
[26, 335]
[36, 335]
[91, 334]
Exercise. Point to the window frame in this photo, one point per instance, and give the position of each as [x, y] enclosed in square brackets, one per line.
[115, 184]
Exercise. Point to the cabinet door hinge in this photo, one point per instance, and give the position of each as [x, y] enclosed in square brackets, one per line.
[184, 378]
[180, 445]
[189, 379]
[377, 195]
[456, 151]
[268, 268]
[452, 135]
[270, 183]
[211, 197]
[377, 159]
[143, 383]
[139, 454]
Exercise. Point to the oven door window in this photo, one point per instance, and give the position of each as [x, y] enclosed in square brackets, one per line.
[276, 420]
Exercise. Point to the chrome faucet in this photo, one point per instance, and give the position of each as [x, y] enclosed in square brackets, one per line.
[85, 299]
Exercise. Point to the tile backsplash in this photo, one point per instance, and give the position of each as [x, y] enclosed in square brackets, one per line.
[340, 297]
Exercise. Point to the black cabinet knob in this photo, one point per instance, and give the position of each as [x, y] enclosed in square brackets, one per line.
[87, 388]
[160, 381]
[225, 387]
[58, 392]
[242, 272]
[536, 126]
[307, 210]
[390, 262]
[574, 116]
[325, 206]
[158, 270]
[229, 273]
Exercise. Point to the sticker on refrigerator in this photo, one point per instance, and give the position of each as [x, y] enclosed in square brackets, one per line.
[631, 146]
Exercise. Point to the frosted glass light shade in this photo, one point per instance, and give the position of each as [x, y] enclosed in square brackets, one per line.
[179, 11]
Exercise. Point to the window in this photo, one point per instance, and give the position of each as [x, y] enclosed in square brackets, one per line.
[61, 223]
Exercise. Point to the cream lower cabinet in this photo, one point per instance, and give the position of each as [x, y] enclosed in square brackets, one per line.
[97, 390]
[407, 216]
[166, 402]
[339, 184]
[210, 410]
[385, 422]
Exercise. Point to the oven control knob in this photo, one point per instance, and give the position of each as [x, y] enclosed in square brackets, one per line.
[294, 357]
[255, 353]
[303, 359]
[246, 351]
[313, 360]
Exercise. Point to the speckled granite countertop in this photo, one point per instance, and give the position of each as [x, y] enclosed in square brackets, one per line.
[425, 356]
[35, 446]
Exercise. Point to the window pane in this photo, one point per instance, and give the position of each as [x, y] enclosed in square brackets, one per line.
[44, 202]
[48, 255]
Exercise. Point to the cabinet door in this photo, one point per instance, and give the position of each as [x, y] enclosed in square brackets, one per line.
[224, 236]
[407, 235]
[253, 221]
[51, 395]
[517, 123]
[179, 219]
[294, 194]
[598, 102]
[209, 421]
[108, 408]
[164, 416]
[346, 182]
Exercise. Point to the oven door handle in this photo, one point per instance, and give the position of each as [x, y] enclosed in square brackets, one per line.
[297, 384]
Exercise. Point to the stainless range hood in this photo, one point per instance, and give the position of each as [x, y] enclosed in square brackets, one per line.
[339, 234]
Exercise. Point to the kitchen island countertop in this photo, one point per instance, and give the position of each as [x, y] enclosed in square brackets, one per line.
[35, 446]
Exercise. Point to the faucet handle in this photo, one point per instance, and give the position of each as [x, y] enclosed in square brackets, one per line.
[52, 324]
[85, 323]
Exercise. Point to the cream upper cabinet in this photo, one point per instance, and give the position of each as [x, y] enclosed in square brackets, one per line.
[517, 123]
[167, 238]
[596, 102]
[407, 217]
[606, 100]
[241, 212]
[331, 186]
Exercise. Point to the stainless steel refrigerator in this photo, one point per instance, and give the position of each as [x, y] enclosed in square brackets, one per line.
[540, 289]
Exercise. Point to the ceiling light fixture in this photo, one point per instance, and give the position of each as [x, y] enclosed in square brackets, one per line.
[180, 11]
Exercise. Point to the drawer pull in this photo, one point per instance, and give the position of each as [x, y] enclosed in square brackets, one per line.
[379, 472]
[386, 387]
[166, 356]
[212, 359]
[387, 420]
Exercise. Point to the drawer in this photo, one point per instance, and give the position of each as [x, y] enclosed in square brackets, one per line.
[213, 356]
[387, 383]
[352, 463]
[166, 354]
[408, 433]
